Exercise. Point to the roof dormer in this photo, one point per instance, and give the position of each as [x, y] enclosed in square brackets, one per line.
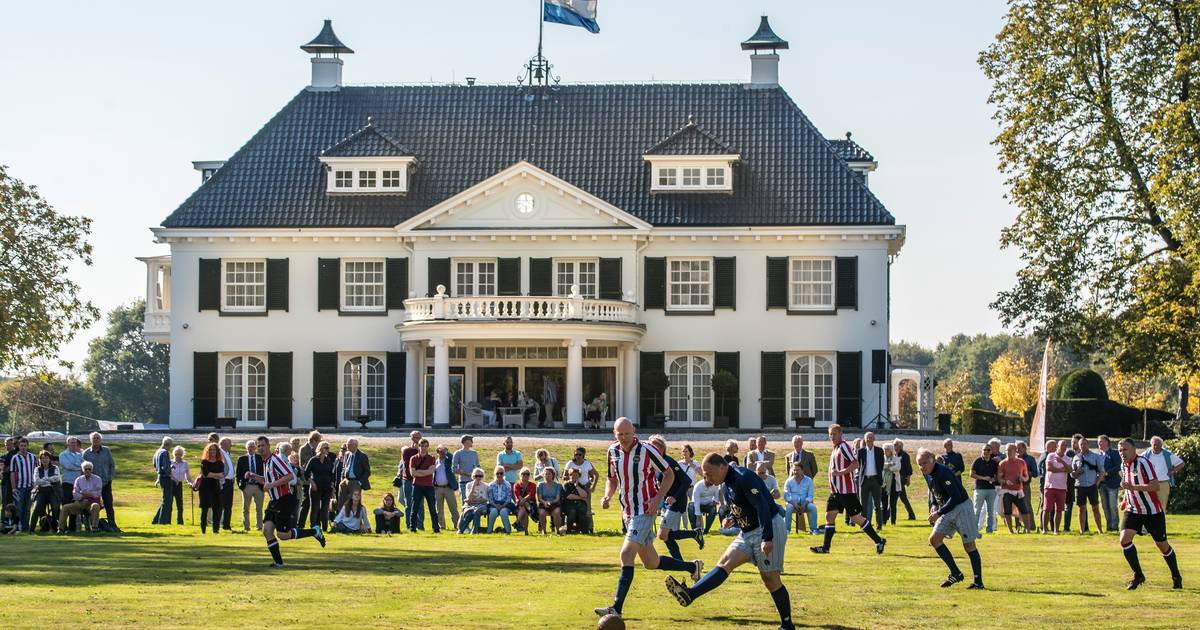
[857, 158]
[367, 162]
[691, 160]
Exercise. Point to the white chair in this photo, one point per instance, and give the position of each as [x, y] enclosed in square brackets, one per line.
[532, 420]
[472, 415]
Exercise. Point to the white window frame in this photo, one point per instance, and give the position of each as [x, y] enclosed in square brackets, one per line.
[670, 282]
[367, 173]
[793, 304]
[162, 288]
[669, 172]
[344, 359]
[668, 177]
[669, 358]
[222, 360]
[358, 166]
[345, 305]
[225, 262]
[386, 175]
[575, 277]
[474, 262]
[338, 179]
[793, 396]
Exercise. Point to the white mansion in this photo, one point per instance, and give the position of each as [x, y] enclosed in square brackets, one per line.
[397, 255]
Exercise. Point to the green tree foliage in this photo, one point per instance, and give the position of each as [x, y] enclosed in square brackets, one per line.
[1185, 497]
[37, 402]
[40, 307]
[129, 375]
[1080, 383]
[908, 404]
[911, 352]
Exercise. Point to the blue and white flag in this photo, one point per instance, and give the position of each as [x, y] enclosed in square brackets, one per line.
[571, 12]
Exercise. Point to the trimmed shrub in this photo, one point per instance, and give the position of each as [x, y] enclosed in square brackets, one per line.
[984, 422]
[1080, 383]
[1092, 417]
[1185, 496]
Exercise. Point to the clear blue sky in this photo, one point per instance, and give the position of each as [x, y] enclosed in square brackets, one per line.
[106, 104]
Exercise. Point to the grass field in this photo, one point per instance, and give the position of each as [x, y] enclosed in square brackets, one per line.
[172, 577]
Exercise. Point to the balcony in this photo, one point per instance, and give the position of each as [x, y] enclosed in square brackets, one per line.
[519, 308]
[157, 327]
[156, 324]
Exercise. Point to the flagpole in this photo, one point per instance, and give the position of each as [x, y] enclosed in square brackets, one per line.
[541, 26]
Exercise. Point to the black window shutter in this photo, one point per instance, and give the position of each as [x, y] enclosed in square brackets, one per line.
[329, 284]
[541, 276]
[325, 389]
[439, 273]
[846, 277]
[725, 283]
[204, 389]
[395, 388]
[279, 389]
[654, 273]
[773, 389]
[650, 401]
[610, 279]
[849, 388]
[210, 285]
[777, 283]
[508, 276]
[396, 282]
[730, 362]
[277, 286]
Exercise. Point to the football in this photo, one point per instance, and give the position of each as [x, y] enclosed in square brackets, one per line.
[610, 622]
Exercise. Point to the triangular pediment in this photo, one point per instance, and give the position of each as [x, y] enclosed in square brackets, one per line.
[523, 197]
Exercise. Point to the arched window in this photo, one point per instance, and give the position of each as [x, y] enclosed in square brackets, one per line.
[363, 388]
[689, 397]
[245, 389]
[811, 388]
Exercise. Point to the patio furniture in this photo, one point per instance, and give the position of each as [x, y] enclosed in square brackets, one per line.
[472, 415]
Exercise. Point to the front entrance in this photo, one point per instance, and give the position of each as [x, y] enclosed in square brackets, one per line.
[457, 379]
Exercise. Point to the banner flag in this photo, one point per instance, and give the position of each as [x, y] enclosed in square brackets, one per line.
[1037, 429]
[572, 13]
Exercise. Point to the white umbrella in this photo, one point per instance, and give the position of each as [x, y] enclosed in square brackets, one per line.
[46, 435]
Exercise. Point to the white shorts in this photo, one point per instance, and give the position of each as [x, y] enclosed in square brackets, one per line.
[961, 520]
[671, 519]
[749, 544]
[640, 529]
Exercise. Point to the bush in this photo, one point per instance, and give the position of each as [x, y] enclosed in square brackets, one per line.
[1185, 496]
[1092, 417]
[1080, 383]
[984, 422]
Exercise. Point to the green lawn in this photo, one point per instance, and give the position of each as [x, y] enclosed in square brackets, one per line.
[172, 577]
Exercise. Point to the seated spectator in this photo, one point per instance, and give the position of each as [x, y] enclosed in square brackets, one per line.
[86, 494]
[387, 516]
[731, 450]
[525, 496]
[8, 522]
[544, 461]
[763, 470]
[704, 502]
[798, 495]
[45, 494]
[576, 516]
[488, 406]
[500, 501]
[549, 495]
[475, 503]
[352, 518]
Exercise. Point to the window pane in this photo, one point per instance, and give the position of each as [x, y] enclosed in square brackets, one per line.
[465, 279]
[689, 283]
[366, 179]
[256, 390]
[691, 177]
[352, 389]
[666, 177]
[715, 177]
[374, 391]
[564, 278]
[812, 283]
[363, 286]
[232, 404]
[245, 284]
[677, 392]
[391, 179]
[343, 179]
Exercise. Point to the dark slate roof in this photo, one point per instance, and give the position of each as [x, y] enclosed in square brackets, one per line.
[691, 139]
[850, 150]
[593, 136]
[367, 142]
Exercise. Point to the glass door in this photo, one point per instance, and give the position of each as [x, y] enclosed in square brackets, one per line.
[457, 377]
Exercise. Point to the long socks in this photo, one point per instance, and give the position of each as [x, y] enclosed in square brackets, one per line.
[1172, 562]
[674, 564]
[623, 584]
[680, 534]
[976, 565]
[943, 552]
[710, 581]
[1132, 558]
[783, 604]
[830, 530]
[273, 547]
[673, 549]
[870, 531]
[301, 533]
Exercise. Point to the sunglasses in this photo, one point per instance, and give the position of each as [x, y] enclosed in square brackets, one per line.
[479, 476]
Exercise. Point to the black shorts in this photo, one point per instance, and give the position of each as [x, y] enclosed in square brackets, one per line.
[1012, 500]
[1084, 494]
[847, 503]
[281, 512]
[1154, 524]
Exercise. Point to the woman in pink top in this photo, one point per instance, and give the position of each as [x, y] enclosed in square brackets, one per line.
[1057, 470]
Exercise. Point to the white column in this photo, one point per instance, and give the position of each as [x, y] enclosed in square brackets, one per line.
[441, 382]
[412, 382]
[629, 393]
[574, 404]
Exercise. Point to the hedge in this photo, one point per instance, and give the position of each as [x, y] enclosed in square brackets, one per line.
[1079, 383]
[1185, 496]
[984, 422]
[1092, 416]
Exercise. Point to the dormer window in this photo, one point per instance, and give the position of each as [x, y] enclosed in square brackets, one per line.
[693, 173]
[667, 177]
[343, 179]
[391, 179]
[367, 161]
[715, 177]
[366, 179]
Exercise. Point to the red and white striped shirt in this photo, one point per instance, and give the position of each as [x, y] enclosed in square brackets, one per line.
[841, 457]
[636, 473]
[277, 468]
[22, 467]
[1140, 472]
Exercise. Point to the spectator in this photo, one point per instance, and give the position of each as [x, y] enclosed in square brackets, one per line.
[297, 482]
[891, 482]
[406, 477]
[588, 476]
[1031, 468]
[597, 411]
[10, 447]
[212, 473]
[8, 523]
[731, 451]
[250, 464]
[688, 463]
[387, 516]
[544, 461]
[500, 499]
[104, 467]
[798, 497]
[906, 471]
[1088, 470]
[464, 462]
[422, 467]
[549, 495]
[161, 465]
[180, 474]
[1056, 475]
[356, 473]
[475, 504]
[22, 466]
[575, 506]
[320, 471]
[870, 480]
[808, 461]
[310, 448]
[984, 471]
[228, 483]
[763, 469]
[69, 467]
[759, 453]
[525, 496]
[445, 488]
[1069, 460]
[951, 458]
[307, 452]
[88, 495]
[45, 494]
[352, 517]
[1166, 464]
[510, 460]
[996, 449]
[1051, 446]
[704, 503]
[1111, 484]
[1013, 476]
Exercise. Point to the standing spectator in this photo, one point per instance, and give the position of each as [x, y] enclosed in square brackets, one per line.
[576, 516]
[906, 471]
[588, 475]
[352, 517]
[229, 483]
[356, 473]
[525, 496]
[212, 473]
[406, 477]
[1031, 468]
[21, 466]
[387, 516]
[1088, 470]
[310, 448]
[891, 482]
[464, 462]
[1051, 446]
[475, 505]
[996, 449]
[758, 453]
[808, 461]
[251, 463]
[870, 480]
[104, 467]
[798, 495]
[500, 498]
[510, 460]
[161, 464]
[298, 482]
[1057, 472]
[45, 493]
[1165, 464]
[688, 463]
[307, 452]
[1111, 484]
[1068, 460]
[952, 459]
[544, 461]
[445, 488]
[549, 495]
[180, 474]
[10, 447]
[88, 495]
[422, 467]
[70, 467]
[320, 472]
[1013, 476]
[984, 471]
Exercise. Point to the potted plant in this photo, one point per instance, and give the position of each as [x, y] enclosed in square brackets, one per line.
[653, 383]
[725, 388]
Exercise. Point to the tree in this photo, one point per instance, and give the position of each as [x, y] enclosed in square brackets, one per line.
[908, 404]
[1014, 383]
[954, 395]
[40, 307]
[1138, 391]
[129, 375]
[37, 402]
[1100, 141]
[911, 352]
